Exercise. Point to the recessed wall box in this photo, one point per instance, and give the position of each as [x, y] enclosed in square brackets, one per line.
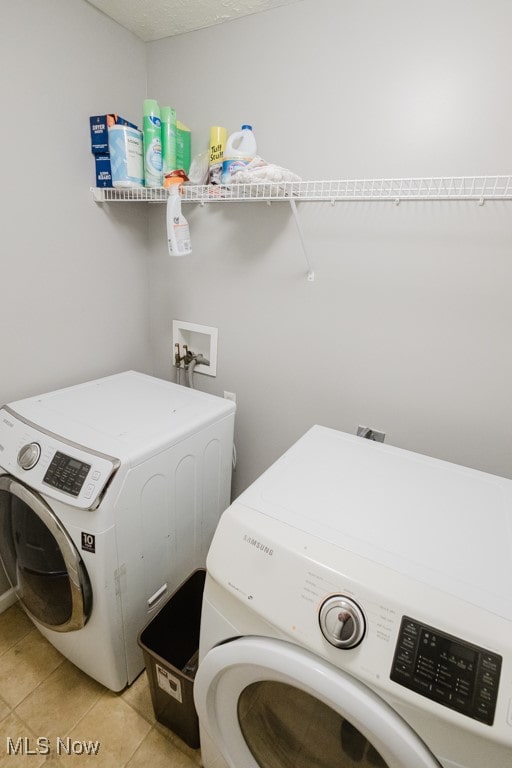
[199, 340]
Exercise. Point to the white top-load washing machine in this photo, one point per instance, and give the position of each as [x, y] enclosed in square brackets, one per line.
[110, 492]
[357, 613]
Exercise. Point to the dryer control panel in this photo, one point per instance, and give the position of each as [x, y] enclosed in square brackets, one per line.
[447, 669]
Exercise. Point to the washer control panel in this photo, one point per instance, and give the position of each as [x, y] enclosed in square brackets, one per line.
[49, 464]
[448, 670]
[66, 473]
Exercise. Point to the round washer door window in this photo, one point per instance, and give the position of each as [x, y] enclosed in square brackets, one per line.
[268, 704]
[41, 561]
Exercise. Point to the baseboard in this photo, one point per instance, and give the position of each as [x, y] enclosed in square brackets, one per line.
[7, 599]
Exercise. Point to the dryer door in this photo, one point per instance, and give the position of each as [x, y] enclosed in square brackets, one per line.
[40, 560]
[265, 703]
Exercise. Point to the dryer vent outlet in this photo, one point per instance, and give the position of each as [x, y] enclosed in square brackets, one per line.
[371, 434]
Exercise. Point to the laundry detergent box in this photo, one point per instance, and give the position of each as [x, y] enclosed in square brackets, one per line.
[99, 130]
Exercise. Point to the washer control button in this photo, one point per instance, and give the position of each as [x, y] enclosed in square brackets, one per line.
[29, 455]
[342, 622]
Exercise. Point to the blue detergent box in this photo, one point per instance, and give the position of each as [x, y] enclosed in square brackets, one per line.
[103, 170]
[99, 125]
[99, 131]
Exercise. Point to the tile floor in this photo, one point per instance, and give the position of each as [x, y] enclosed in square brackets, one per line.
[42, 695]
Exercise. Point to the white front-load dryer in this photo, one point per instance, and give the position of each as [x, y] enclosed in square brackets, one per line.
[110, 492]
[357, 613]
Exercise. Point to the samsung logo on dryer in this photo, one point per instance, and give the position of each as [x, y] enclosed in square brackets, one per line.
[258, 545]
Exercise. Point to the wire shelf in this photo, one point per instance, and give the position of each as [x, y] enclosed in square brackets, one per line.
[478, 188]
[141, 194]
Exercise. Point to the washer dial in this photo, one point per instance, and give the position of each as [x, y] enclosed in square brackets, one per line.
[342, 621]
[29, 455]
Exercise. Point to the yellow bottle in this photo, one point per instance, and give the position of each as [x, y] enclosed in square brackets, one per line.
[217, 145]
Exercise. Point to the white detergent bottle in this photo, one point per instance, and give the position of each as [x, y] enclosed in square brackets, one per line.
[240, 150]
[178, 233]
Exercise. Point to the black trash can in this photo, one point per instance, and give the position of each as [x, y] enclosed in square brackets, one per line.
[170, 645]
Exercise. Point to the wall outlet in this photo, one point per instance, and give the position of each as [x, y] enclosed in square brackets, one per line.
[371, 434]
[230, 396]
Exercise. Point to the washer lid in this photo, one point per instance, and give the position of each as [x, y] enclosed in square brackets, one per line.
[443, 524]
[126, 414]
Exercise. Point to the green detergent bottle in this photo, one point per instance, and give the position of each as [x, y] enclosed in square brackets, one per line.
[152, 144]
[183, 146]
[168, 120]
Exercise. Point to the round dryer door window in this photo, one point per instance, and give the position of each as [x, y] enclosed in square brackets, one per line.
[265, 703]
[41, 561]
[306, 731]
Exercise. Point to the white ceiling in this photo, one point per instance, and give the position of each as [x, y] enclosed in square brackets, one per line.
[153, 19]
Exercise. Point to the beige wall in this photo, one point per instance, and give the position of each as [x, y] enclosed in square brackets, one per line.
[407, 327]
[73, 275]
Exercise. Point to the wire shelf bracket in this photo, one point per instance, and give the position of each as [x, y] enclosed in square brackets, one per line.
[311, 272]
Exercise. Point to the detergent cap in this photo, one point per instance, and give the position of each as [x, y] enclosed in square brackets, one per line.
[151, 107]
[247, 127]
